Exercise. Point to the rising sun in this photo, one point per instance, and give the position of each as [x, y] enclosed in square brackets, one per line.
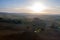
[37, 7]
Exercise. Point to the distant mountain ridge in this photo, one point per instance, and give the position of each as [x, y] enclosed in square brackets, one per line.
[27, 15]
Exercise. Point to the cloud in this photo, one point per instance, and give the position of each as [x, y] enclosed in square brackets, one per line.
[51, 10]
[16, 10]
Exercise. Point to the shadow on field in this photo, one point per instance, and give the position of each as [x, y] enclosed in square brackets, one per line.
[22, 36]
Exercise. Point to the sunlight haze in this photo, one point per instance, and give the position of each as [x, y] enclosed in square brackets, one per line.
[30, 6]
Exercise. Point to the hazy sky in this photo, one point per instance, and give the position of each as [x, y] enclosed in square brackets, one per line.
[53, 6]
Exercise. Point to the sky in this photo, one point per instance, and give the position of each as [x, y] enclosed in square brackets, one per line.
[20, 6]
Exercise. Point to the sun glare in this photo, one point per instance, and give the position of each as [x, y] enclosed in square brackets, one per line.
[37, 7]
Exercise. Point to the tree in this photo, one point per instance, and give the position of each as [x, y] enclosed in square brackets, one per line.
[38, 24]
